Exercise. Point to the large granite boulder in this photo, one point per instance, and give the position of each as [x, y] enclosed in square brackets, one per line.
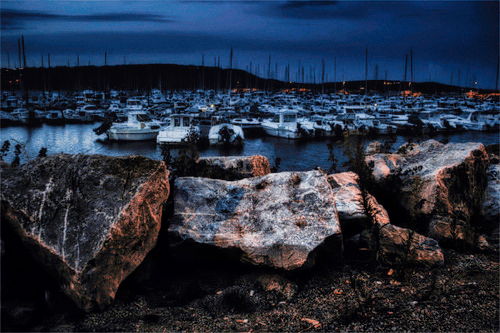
[89, 220]
[233, 167]
[433, 180]
[278, 220]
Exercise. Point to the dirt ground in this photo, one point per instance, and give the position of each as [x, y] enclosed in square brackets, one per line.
[462, 295]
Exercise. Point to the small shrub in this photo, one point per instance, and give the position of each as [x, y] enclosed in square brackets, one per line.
[17, 152]
[42, 152]
[5, 149]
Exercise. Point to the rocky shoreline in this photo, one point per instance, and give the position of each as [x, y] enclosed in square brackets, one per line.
[94, 243]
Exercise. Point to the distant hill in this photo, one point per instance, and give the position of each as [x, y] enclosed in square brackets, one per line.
[178, 77]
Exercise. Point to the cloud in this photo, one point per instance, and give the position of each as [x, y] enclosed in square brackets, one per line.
[376, 11]
[15, 19]
[179, 43]
[320, 10]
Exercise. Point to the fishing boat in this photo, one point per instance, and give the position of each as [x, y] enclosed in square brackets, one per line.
[180, 130]
[138, 127]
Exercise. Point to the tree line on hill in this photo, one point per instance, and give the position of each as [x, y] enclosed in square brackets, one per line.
[189, 77]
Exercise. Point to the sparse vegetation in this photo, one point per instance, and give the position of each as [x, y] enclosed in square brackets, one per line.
[185, 163]
[19, 148]
[277, 162]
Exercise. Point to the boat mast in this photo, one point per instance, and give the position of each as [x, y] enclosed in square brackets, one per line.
[230, 70]
[322, 77]
[498, 70]
[366, 72]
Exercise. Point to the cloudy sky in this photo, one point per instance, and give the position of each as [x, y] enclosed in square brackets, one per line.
[451, 41]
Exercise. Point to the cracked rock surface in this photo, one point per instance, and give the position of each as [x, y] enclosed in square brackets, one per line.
[89, 220]
[277, 220]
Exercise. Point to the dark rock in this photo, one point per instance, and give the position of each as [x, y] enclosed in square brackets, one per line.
[355, 212]
[4, 165]
[373, 147]
[349, 202]
[19, 315]
[279, 220]
[276, 283]
[490, 206]
[89, 220]
[433, 179]
[398, 246]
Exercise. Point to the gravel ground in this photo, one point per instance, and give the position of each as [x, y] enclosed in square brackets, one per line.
[463, 295]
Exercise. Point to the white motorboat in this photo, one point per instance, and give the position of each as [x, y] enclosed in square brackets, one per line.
[21, 116]
[321, 126]
[90, 113]
[226, 134]
[247, 123]
[352, 124]
[431, 118]
[180, 130]
[138, 127]
[284, 125]
[471, 120]
[84, 114]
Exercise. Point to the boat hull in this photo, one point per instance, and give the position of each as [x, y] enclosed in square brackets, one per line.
[281, 132]
[174, 138]
[233, 136]
[132, 135]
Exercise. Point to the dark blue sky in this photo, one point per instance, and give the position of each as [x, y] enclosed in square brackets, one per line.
[459, 38]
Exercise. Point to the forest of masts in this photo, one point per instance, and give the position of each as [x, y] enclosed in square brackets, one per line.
[255, 76]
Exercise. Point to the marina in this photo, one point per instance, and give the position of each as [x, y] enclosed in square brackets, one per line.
[293, 126]
[295, 155]
[250, 166]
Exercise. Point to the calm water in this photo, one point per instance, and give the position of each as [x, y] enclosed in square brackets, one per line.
[295, 155]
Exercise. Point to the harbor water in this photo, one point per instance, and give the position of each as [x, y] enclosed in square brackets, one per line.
[295, 155]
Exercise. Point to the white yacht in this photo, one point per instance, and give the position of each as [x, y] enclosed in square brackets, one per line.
[179, 131]
[138, 127]
[247, 123]
[471, 120]
[284, 125]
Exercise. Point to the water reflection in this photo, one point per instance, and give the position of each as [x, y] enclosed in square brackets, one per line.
[295, 155]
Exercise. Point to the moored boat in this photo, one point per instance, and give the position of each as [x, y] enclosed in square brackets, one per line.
[181, 130]
[247, 123]
[226, 134]
[138, 127]
[54, 117]
[284, 125]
